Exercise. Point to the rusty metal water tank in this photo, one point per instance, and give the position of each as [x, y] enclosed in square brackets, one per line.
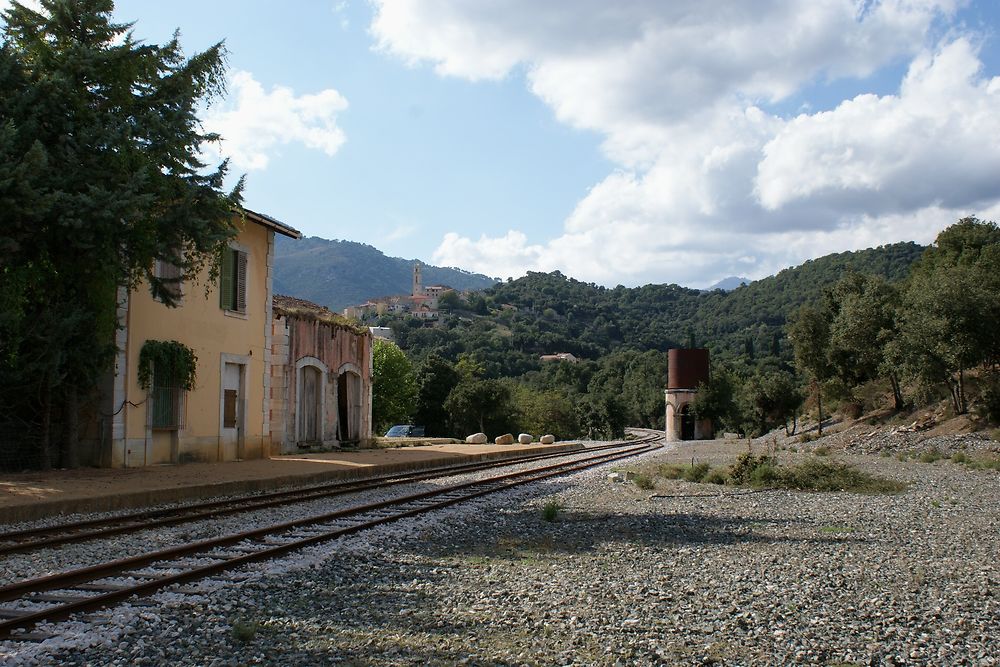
[687, 368]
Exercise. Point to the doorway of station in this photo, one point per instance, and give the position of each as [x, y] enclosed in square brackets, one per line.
[349, 408]
[309, 405]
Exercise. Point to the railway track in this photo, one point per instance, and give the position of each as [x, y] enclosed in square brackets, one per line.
[32, 539]
[56, 597]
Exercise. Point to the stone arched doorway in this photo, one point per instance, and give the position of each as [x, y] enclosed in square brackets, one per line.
[687, 422]
[310, 396]
[349, 406]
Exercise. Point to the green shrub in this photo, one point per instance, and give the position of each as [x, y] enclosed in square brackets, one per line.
[989, 462]
[959, 457]
[819, 475]
[988, 406]
[671, 471]
[930, 456]
[696, 473]
[812, 475]
[806, 437]
[716, 476]
[766, 475]
[745, 465]
[851, 409]
[822, 450]
[550, 510]
[643, 481]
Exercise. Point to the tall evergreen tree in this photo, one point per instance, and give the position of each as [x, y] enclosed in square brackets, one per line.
[100, 176]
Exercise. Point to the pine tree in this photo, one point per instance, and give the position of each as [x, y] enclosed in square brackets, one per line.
[100, 176]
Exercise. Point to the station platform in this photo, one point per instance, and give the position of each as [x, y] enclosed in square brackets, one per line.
[35, 495]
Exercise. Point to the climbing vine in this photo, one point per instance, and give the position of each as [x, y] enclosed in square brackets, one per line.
[175, 359]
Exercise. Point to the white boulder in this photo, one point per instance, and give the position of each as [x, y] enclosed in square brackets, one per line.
[525, 438]
[505, 439]
[547, 439]
[477, 439]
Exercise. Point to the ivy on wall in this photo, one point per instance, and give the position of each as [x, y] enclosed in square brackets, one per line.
[176, 360]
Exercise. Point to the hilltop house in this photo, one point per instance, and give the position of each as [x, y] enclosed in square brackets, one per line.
[421, 303]
[147, 416]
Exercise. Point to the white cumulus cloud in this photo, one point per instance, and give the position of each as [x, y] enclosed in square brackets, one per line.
[937, 141]
[709, 182]
[254, 122]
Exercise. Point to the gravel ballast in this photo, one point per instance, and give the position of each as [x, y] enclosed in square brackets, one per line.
[618, 578]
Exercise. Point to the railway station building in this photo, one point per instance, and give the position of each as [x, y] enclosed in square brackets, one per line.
[146, 416]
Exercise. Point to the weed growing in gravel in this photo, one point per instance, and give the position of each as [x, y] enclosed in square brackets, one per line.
[822, 450]
[959, 457]
[984, 463]
[643, 481]
[835, 529]
[245, 631]
[550, 511]
[931, 455]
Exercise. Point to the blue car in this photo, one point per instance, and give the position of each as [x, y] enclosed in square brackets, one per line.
[405, 431]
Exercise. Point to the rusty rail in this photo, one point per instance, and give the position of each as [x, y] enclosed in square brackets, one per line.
[32, 539]
[69, 602]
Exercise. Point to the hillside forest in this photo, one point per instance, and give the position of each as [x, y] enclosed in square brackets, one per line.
[888, 327]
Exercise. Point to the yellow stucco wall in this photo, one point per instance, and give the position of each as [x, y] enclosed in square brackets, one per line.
[211, 332]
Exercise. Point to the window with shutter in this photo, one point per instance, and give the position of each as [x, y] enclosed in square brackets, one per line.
[233, 281]
[241, 281]
[226, 301]
[164, 400]
[172, 276]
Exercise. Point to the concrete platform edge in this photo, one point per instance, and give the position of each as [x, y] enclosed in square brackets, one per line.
[113, 503]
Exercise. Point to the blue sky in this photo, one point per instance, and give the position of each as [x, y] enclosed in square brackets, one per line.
[621, 143]
[423, 154]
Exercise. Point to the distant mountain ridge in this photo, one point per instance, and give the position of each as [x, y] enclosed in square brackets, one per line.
[729, 284]
[337, 274]
[513, 323]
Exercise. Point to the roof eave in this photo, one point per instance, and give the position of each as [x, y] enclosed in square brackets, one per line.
[271, 223]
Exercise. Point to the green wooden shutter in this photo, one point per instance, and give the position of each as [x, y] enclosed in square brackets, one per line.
[241, 281]
[226, 301]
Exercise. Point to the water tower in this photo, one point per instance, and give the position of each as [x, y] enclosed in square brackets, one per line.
[687, 368]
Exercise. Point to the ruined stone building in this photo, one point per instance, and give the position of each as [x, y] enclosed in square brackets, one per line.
[321, 378]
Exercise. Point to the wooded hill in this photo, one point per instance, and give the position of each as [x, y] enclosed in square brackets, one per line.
[508, 326]
[337, 274]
